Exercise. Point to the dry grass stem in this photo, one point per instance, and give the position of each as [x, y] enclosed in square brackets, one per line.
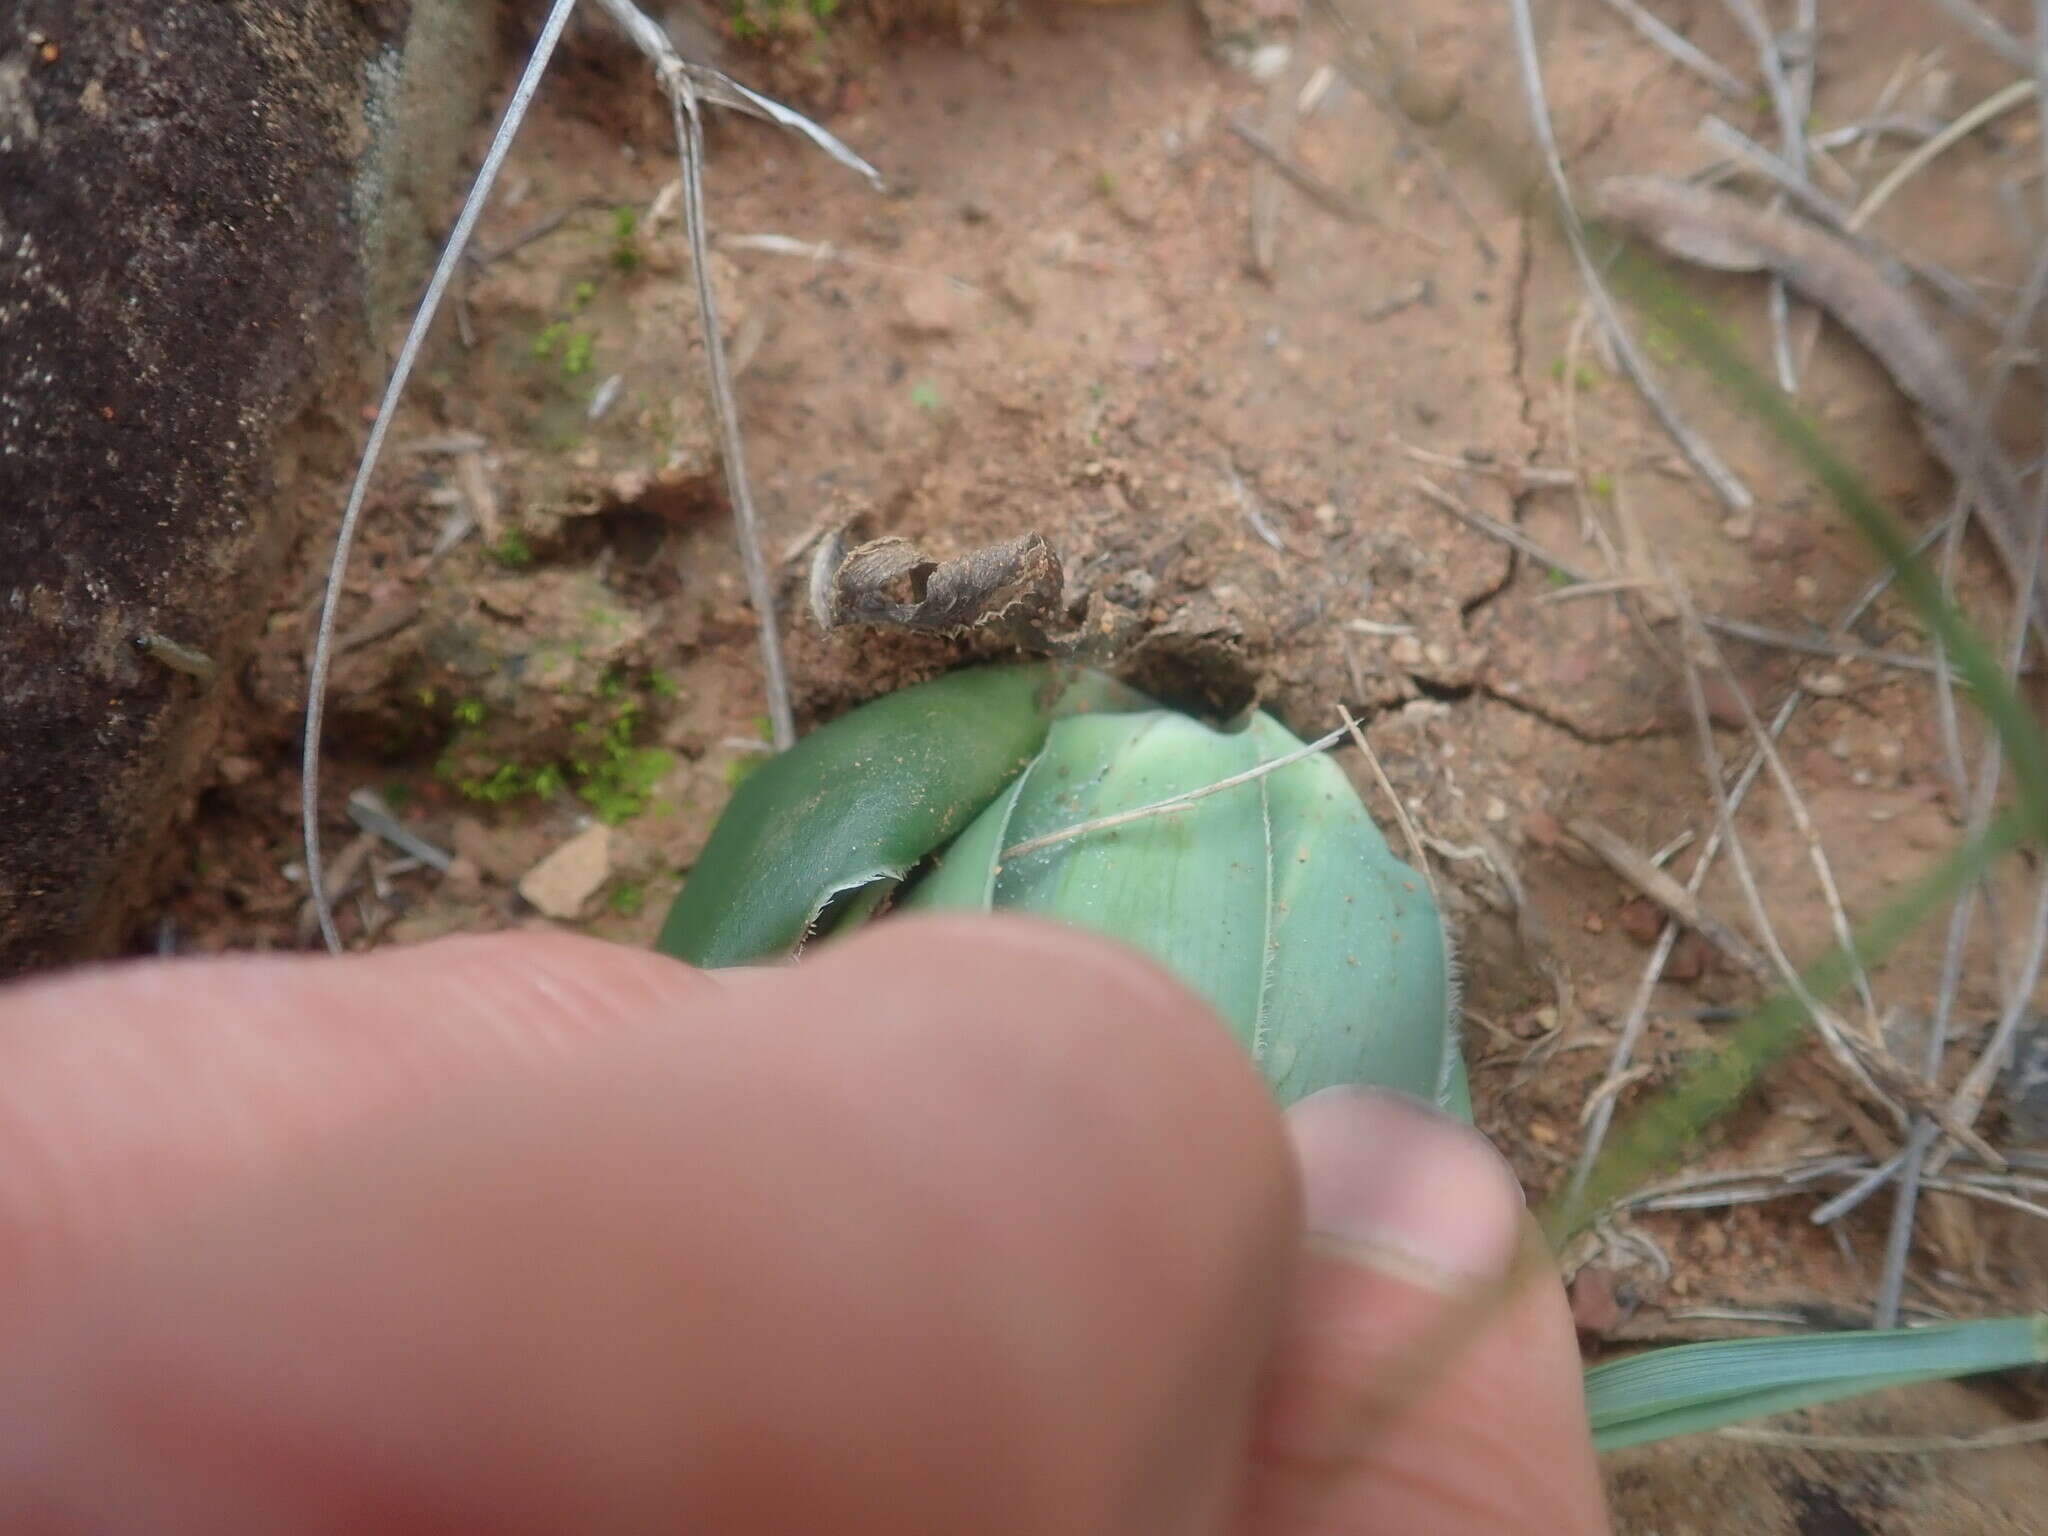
[1172, 802]
[2030, 1433]
[387, 408]
[1679, 49]
[1726, 484]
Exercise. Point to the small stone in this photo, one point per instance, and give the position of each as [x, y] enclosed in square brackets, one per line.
[1595, 923]
[1724, 704]
[561, 883]
[1688, 960]
[1825, 685]
[1641, 919]
[1741, 527]
[1406, 651]
[1543, 1133]
[1805, 588]
[1325, 515]
[932, 306]
[1496, 809]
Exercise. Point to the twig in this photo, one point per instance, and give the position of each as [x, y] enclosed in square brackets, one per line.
[1790, 115]
[1407, 131]
[1408, 831]
[1319, 191]
[539, 230]
[408, 355]
[1606, 588]
[1739, 629]
[1725, 483]
[1995, 105]
[1796, 804]
[1621, 857]
[1987, 32]
[1254, 516]
[688, 85]
[2030, 1433]
[366, 808]
[689, 128]
[1520, 477]
[1880, 124]
[1171, 802]
[1421, 291]
[823, 251]
[1681, 50]
[724, 91]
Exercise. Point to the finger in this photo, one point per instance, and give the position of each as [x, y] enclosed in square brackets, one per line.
[1411, 1388]
[129, 1094]
[968, 1226]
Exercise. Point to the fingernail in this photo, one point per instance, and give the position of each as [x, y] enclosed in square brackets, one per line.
[1396, 1185]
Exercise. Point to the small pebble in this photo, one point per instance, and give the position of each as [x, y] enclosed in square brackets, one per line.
[561, 883]
[1641, 919]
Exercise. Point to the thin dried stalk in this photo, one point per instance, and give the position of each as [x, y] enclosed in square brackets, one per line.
[401, 373]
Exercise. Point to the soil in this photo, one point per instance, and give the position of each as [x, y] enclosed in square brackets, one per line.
[1056, 322]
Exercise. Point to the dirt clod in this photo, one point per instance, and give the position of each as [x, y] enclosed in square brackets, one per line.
[562, 883]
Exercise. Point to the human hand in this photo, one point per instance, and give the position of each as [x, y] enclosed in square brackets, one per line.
[964, 1225]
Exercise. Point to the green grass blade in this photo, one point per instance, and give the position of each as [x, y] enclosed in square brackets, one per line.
[1694, 1387]
[856, 802]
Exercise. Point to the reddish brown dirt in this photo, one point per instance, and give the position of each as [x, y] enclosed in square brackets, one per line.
[1052, 323]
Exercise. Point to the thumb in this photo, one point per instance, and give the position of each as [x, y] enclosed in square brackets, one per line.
[1425, 1375]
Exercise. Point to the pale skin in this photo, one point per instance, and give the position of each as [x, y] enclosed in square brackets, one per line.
[967, 1225]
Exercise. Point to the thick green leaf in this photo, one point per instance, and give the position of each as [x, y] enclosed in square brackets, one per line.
[1693, 1387]
[1360, 979]
[1188, 888]
[855, 803]
[1277, 900]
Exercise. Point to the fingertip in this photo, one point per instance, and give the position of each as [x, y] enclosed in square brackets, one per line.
[1393, 1182]
[1427, 1376]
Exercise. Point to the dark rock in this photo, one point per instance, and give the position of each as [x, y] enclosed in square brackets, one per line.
[203, 211]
